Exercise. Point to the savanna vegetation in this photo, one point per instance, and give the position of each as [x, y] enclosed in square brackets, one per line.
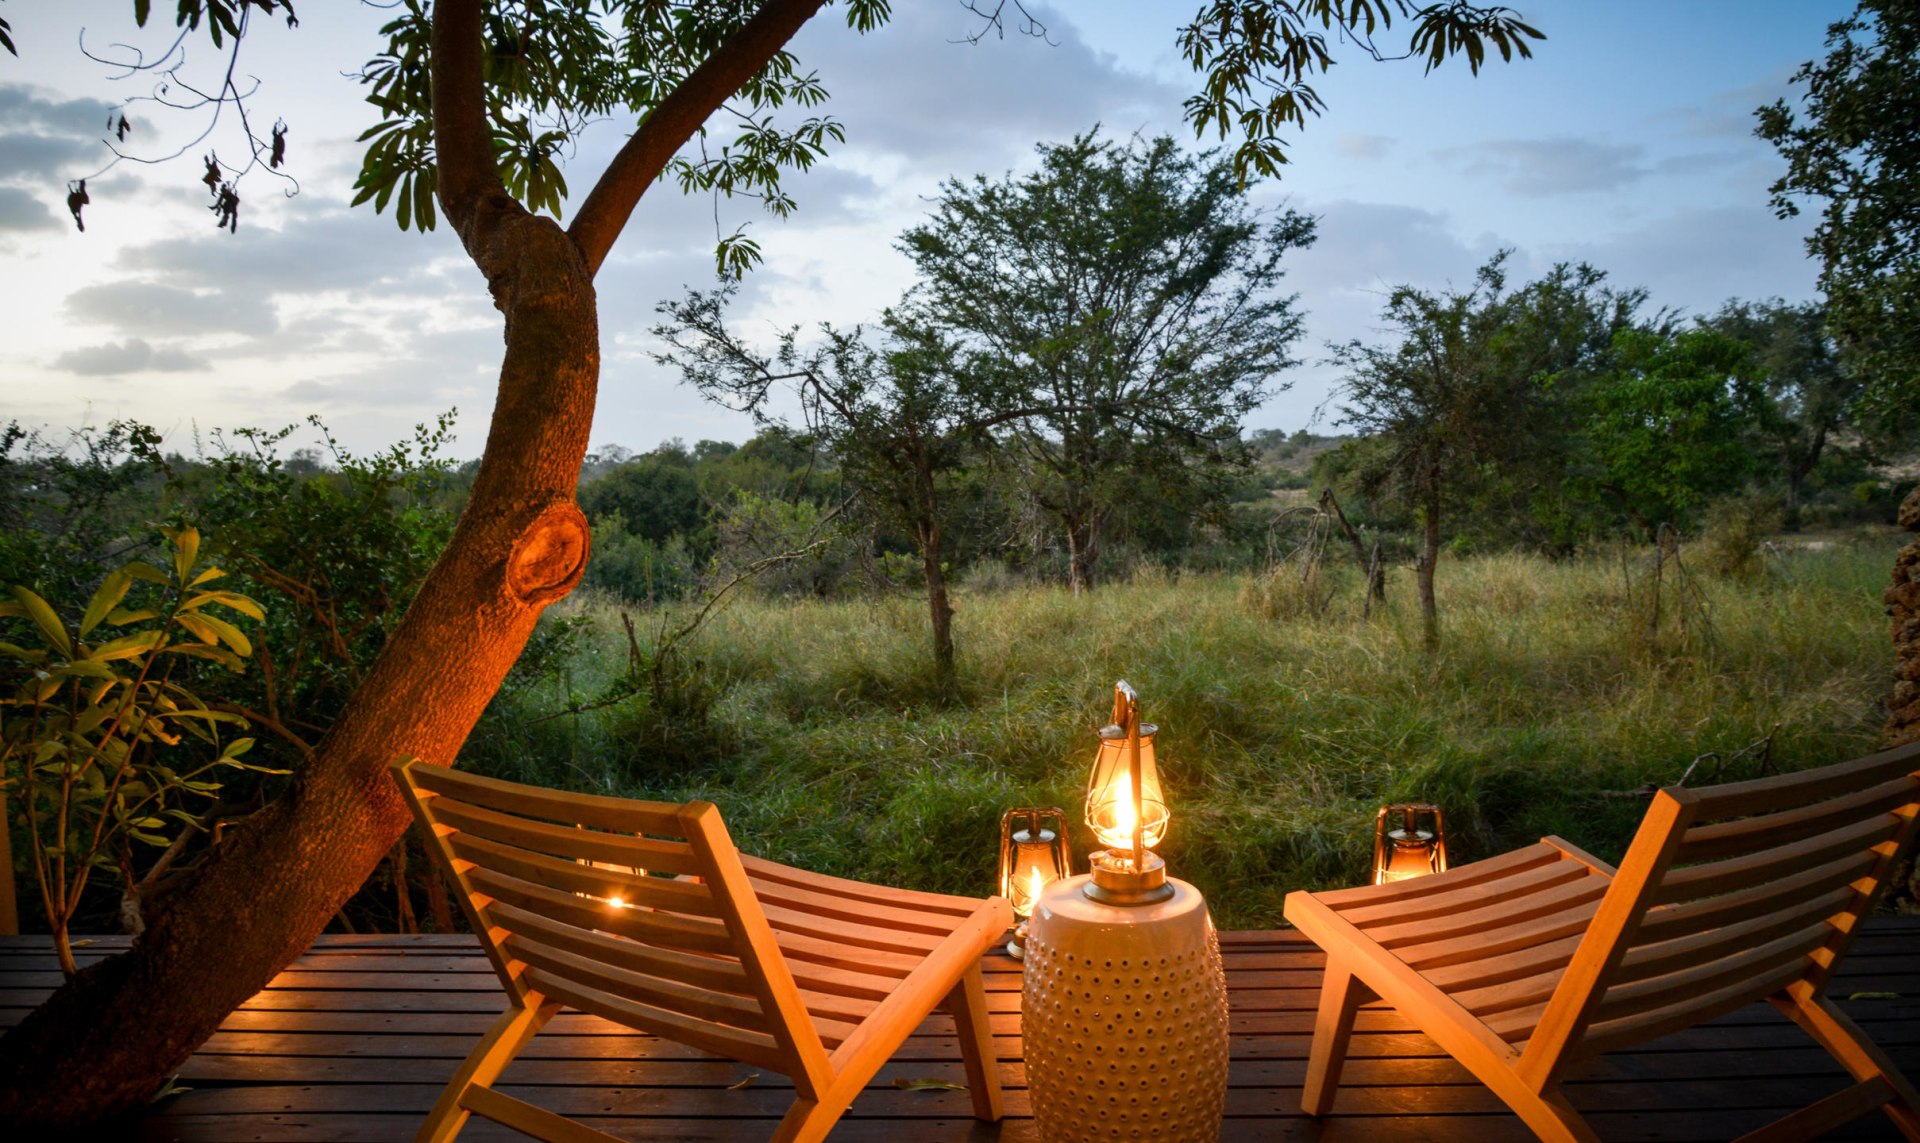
[1056, 460]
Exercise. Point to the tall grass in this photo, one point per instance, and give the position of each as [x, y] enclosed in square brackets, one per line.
[832, 746]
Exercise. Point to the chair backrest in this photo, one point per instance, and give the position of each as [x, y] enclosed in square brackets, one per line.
[636, 911]
[1730, 894]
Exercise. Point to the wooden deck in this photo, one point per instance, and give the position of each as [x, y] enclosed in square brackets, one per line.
[353, 1042]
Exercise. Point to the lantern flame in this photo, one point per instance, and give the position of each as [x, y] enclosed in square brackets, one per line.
[1035, 883]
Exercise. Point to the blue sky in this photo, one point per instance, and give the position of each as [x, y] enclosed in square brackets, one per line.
[1627, 142]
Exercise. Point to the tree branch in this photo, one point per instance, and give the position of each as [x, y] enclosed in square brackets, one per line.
[460, 132]
[668, 125]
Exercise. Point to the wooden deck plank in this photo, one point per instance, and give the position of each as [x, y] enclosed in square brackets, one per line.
[353, 1041]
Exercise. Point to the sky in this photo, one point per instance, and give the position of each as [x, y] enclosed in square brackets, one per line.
[1626, 142]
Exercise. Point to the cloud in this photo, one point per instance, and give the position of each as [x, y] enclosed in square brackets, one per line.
[1537, 168]
[21, 211]
[133, 355]
[1696, 258]
[45, 138]
[1355, 145]
[152, 308]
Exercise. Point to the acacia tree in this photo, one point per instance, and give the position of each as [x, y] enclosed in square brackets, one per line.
[1130, 297]
[1476, 387]
[460, 88]
[1805, 395]
[900, 417]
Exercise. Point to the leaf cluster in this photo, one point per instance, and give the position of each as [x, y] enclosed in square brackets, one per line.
[101, 744]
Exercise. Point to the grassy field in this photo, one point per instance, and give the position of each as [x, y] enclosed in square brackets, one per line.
[828, 745]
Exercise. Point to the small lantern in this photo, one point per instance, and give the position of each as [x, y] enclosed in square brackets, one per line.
[1126, 809]
[1032, 856]
[1408, 851]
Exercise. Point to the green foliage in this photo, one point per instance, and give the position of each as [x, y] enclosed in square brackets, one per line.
[1668, 428]
[343, 547]
[102, 747]
[71, 509]
[1259, 56]
[1852, 148]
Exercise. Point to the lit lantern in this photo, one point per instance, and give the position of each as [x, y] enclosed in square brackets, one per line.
[1032, 857]
[1408, 851]
[1124, 1003]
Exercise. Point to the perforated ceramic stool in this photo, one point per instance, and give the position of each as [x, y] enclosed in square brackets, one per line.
[1124, 1015]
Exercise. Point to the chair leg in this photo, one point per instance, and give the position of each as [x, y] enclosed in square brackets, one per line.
[1341, 995]
[968, 1005]
[1862, 1058]
[1550, 1116]
[483, 1065]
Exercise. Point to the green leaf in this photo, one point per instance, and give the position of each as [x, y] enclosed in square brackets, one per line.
[207, 576]
[186, 551]
[111, 591]
[219, 655]
[211, 628]
[120, 616]
[233, 599]
[44, 618]
[146, 571]
[127, 646]
[85, 668]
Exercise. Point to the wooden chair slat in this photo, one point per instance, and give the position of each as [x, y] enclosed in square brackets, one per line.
[1415, 888]
[802, 951]
[720, 973]
[879, 918]
[635, 891]
[1630, 1030]
[1790, 791]
[1467, 898]
[1622, 1000]
[1498, 915]
[1722, 839]
[1728, 895]
[838, 981]
[1531, 991]
[1669, 921]
[1501, 967]
[619, 815]
[617, 849]
[1476, 948]
[837, 1008]
[645, 925]
[859, 936]
[689, 1000]
[1743, 874]
[757, 1048]
[1658, 958]
[760, 870]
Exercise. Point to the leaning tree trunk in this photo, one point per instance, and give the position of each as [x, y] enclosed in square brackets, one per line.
[107, 1040]
[1903, 607]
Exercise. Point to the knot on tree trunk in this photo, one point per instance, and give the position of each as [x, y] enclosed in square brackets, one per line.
[550, 556]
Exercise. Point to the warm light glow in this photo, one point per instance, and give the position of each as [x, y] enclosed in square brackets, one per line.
[1035, 883]
[616, 902]
[1410, 850]
[1110, 811]
[1036, 839]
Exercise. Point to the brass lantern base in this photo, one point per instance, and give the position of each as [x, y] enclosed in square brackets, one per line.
[1117, 882]
[1017, 942]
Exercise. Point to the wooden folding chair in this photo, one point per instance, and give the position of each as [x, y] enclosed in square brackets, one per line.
[818, 978]
[1523, 964]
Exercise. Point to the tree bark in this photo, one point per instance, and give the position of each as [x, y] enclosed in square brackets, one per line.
[101, 1045]
[1903, 609]
[1083, 550]
[929, 534]
[1429, 556]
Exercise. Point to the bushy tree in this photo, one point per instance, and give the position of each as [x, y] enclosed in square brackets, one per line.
[1853, 149]
[1128, 295]
[1804, 394]
[1669, 425]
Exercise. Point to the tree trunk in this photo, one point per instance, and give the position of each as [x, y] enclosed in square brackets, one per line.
[1903, 608]
[939, 608]
[1376, 581]
[1083, 550]
[1429, 556]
